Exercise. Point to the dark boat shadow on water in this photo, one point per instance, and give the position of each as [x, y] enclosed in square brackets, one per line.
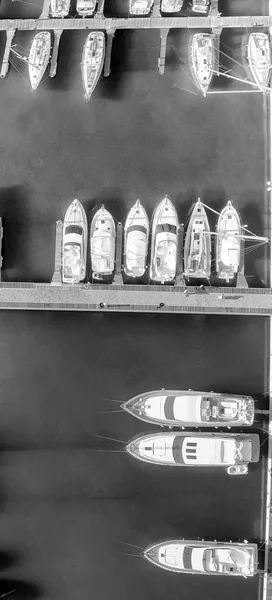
[14, 208]
[16, 589]
[116, 8]
[113, 87]
[9, 559]
[69, 58]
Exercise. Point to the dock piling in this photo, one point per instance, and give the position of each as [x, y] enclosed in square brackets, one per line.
[45, 14]
[100, 9]
[119, 243]
[56, 279]
[5, 62]
[156, 8]
[163, 46]
[54, 59]
[107, 63]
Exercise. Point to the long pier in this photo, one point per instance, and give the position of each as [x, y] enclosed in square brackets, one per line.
[136, 299]
[153, 22]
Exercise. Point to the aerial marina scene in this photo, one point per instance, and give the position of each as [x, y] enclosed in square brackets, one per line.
[135, 179]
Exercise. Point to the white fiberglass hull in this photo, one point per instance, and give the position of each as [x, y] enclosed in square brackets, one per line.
[92, 61]
[187, 408]
[140, 7]
[60, 8]
[171, 6]
[204, 557]
[164, 243]
[202, 60]
[195, 449]
[85, 8]
[102, 244]
[201, 6]
[259, 59]
[228, 243]
[136, 233]
[197, 248]
[74, 246]
[39, 57]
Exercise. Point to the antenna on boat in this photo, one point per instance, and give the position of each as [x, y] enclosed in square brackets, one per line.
[106, 412]
[128, 544]
[104, 437]
[112, 400]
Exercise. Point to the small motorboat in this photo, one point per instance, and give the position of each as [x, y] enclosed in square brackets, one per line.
[171, 6]
[164, 243]
[39, 57]
[205, 557]
[74, 244]
[60, 8]
[92, 61]
[197, 248]
[140, 7]
[233, 451]
[259, 59]
[136, 233]
[202, 59]
[200, 6]
[186, 408]
[102, 241]
[228, 243]
[86, 8]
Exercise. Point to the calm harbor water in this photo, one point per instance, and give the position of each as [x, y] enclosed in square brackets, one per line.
[68, 501]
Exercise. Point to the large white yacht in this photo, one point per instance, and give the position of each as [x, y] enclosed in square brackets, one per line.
[164, 243]
[185, 408]
[102, 244]
[92, 61]
[204, 557]
[74, 244]
[233, 451]
[202, 59]
[136, 233]
[228, 243]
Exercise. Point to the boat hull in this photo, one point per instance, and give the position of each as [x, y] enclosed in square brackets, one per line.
[171, 6]
[39, 57]
[205, 450]
[258, 54]
[164, 243]
[202, 60]
[102, 244]
[60, 8]
[182, 408]
[86, 8]
[74, 261]
[136, 233]
[197, 248]
[92, 61]
[140, 7]
[228, 243]
[189, 557]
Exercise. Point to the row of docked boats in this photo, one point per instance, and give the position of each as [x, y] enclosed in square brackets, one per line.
[202, 59]
[165, 247]
[92, 62]
[87, 8]
[234, 452]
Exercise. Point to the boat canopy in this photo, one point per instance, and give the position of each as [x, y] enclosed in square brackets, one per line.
[72, 260]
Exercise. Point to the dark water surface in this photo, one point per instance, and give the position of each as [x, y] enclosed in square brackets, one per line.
[66, 505]
[68, 502]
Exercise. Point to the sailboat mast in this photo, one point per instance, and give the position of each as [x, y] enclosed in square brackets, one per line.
[19, 55]
[241, 80]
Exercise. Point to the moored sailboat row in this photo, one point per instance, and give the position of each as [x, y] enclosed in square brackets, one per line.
[165, 248]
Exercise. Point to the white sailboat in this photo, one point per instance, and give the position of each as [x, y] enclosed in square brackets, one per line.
[197, 557]
[188, 408]
[197, 248]
[259, 59]
[202, 59]
[60, 8]
[74, 244]
[164, 243]
[229, 238]
[171, 6]
[136, 233]
[38, 58]
[233, 451]
[102, 244]
[92, 61]
[86, 8]
[140, 7]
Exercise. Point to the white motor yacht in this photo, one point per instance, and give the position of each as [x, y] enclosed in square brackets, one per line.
[136, 233]
[164, 243]
[140, 7]
[102, 242]
[86, 8]
[74, 244]
[60, 8]
[171, 6]
[197, 248]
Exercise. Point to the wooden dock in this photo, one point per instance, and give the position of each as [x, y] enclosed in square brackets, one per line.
[153, 22]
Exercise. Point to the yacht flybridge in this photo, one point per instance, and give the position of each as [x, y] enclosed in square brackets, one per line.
[140, 7]
[136, 232]
[86, 8]
[197, 248]
[182, 408]
[202, 59]
[201, 6]
[92, 61]
[74, 244]
[171, 6]
[102, 244]
[60, 8]
[233, 451]
[259, 59]
[164, 243]
[204, 557]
